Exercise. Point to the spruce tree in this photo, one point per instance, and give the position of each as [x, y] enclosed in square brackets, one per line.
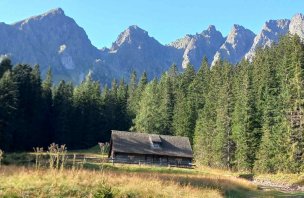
[166, 104]
[62, 116]
[5, 65]
[184, 117]
[89, 120]
[147, 119]
[47, 109]
[8, 108]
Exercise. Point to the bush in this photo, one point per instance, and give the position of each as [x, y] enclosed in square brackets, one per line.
[104, 191]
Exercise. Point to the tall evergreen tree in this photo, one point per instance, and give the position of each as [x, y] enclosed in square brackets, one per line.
[8, 108]
[28, 120]
[147, 119]
[63, 114]
[5, 65]
[166, 104]
[89, 120]
[132, 96]
[47, 109]
[184, 110]
[222, 143]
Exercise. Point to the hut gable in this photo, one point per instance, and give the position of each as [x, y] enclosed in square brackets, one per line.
[150, 144]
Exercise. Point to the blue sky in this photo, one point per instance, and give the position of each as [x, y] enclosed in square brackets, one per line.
[166, 20]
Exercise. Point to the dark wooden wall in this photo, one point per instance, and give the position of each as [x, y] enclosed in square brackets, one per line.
[150, 159]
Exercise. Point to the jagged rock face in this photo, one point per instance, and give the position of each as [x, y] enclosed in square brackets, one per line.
[271, 32]
[14, 42]
[55, 40]
[195, 47]
[236, 45]
[50, 40]
[296, 25]
[135, 50]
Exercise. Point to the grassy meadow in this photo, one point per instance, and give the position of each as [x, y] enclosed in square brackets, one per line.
[19, 177]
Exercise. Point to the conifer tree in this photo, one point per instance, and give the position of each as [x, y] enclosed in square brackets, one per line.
[28, 120]
[222, 143]
[166, 104]
[137, 97]
[184, 117]
[86, 101]
[147, 119]
[132, 96]
[5, 65]
[47, 110]
[243, 131]
[62, 120]
[8, 108]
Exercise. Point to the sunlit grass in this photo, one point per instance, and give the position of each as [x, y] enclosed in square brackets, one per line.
[95, 179]
[22, 182]
[283, 178]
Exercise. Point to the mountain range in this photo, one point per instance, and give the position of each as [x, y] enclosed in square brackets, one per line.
[54, 40]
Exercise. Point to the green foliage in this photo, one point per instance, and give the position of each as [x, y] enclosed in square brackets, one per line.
[184, 110]
[62, 112]
[148, 118]
[87, 107]
[5, 65]
[8, 109]
[247, 117]
[104, 191]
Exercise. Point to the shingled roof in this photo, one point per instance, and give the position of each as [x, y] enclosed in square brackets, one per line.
[140, 143]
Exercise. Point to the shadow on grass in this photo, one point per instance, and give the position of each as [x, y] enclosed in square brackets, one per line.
[229, 188]
[185, 177]
[248, 176]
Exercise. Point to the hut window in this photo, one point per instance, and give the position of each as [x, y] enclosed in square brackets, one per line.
[155, 141]
[156, 144]
[131, 157]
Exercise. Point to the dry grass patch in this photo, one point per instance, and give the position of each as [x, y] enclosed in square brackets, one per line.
[25, 182]
[283, 178]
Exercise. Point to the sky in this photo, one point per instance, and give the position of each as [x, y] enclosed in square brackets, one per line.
[165, 20]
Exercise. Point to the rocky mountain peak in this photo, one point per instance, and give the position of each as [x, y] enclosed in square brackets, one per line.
[133, 35]
[55, 40]
[237, 44]
[211, 28]
[194, 47]
[134, 31]
[238, 33]
[297, 25]
[276, 25]
[56, 11]
[211, 31]
[50, 15]
[236, 27]
[298, 16]
[271, 32]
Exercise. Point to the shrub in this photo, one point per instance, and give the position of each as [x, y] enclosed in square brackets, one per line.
[104, 191]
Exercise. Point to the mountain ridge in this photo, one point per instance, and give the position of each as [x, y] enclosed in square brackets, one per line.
[55, 40]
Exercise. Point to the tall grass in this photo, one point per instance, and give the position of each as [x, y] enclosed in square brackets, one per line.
[27, 182]
[1, 156]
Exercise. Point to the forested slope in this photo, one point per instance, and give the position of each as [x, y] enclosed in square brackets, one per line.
[247, 116]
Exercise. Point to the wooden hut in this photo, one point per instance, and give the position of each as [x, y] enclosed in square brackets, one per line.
[142, 148]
